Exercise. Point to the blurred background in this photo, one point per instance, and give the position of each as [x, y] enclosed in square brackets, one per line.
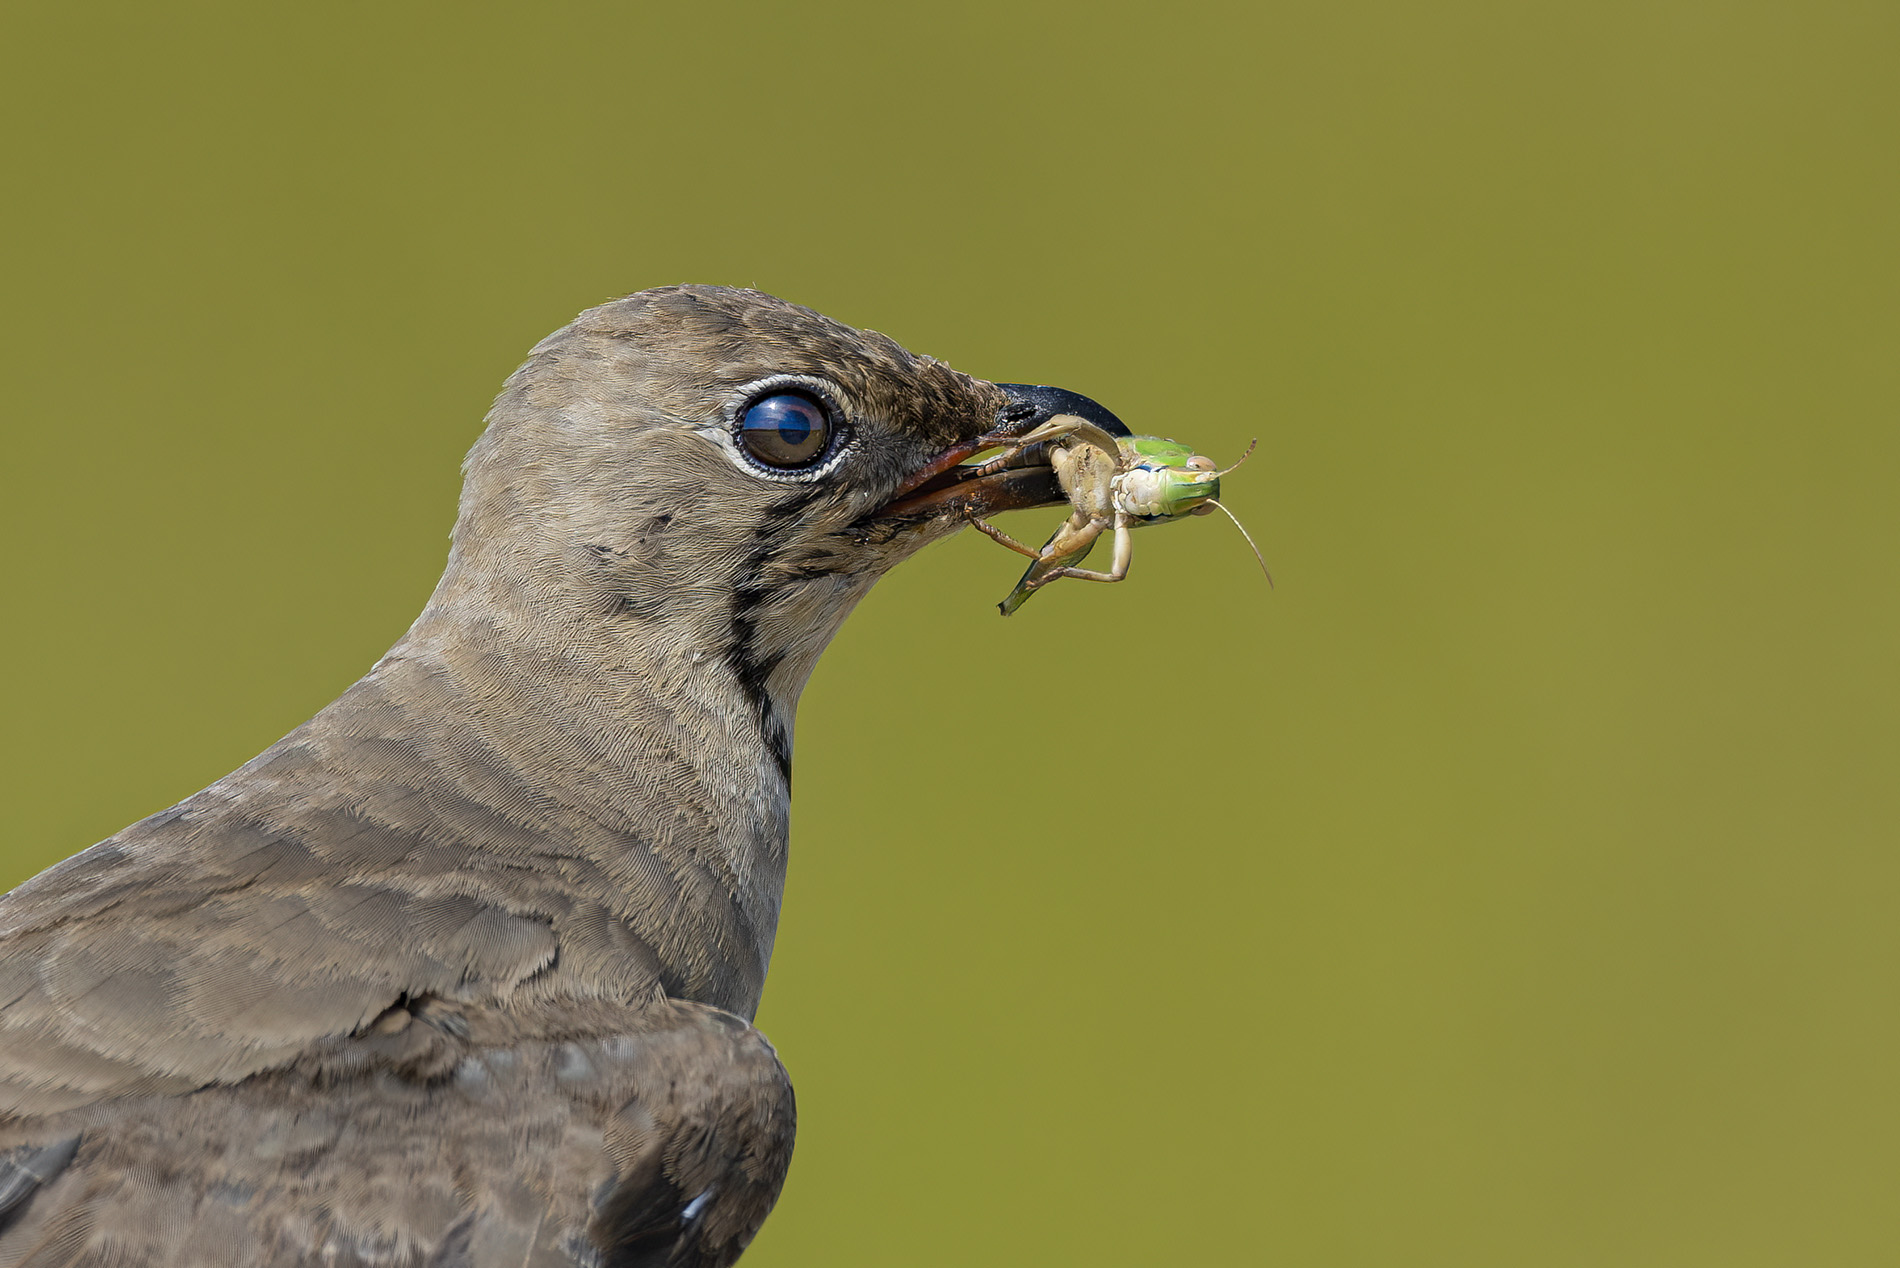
[1513, 885]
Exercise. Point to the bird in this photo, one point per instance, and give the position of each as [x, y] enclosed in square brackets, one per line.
[462, 971]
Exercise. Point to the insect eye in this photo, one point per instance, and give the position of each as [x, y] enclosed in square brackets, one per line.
[786, 429]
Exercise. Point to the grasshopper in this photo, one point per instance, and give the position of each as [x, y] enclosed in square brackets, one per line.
[1118, 482]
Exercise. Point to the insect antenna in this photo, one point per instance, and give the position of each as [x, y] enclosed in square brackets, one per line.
[1251, 446]
[1242, 527]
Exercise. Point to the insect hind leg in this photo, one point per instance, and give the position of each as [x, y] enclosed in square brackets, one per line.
[1118, 570]
[1001, 538]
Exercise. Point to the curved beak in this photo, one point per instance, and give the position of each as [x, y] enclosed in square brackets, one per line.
[1016, 480]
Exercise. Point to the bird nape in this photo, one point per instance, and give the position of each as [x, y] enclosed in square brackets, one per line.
[462, 970]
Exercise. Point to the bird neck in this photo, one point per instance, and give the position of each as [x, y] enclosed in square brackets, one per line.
[636, 770]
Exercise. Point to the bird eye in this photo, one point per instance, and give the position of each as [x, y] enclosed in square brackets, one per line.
[786, 429]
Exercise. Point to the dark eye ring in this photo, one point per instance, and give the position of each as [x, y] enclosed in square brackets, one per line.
[786, 430]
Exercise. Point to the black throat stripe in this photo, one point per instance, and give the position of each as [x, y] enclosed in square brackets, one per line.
[752, 666]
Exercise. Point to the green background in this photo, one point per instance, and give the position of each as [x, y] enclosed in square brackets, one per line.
[1514, 885]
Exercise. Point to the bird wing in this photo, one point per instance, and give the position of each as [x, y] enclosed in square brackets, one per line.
[202, 946]
[666, 1144]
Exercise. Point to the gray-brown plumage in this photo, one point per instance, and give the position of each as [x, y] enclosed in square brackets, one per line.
[461, 971]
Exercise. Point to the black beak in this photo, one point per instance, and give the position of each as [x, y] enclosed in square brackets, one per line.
[1030, 407]
[1020, 479]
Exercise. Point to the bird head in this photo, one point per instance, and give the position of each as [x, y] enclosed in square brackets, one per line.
[703, 472]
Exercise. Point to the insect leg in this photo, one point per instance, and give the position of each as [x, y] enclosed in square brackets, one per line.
[1069, 425]
[1118, 571]
[997, 535]
[1070, 542]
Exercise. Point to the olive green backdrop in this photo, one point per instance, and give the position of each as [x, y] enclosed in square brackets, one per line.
[1512, 886]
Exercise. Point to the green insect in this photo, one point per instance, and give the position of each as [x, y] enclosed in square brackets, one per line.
[1112, 482]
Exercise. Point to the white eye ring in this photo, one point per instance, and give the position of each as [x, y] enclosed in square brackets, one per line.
[726, 436]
